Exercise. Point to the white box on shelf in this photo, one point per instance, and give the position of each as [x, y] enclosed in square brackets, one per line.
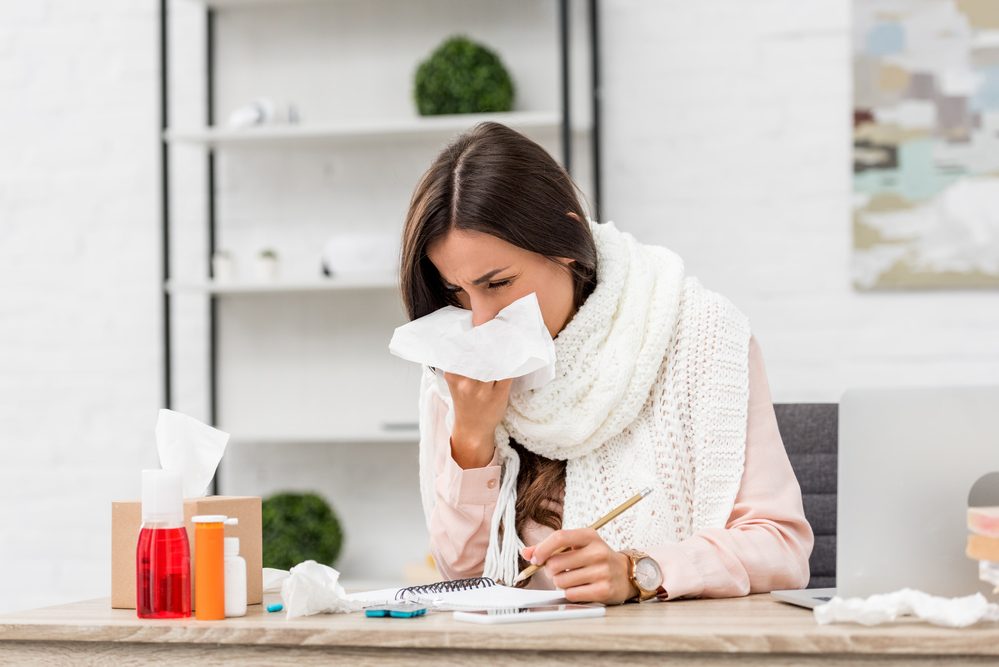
[361, 254]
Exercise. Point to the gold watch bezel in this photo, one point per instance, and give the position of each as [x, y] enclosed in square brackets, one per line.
[634, 555]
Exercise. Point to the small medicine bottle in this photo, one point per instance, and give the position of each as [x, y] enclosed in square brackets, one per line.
[162, 553]
[209, 567]
[235, 579]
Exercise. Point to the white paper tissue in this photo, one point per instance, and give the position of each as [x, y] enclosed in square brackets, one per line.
[514, 344]
[273, 579]
[889, 607]
[313, 588]
[190, 449]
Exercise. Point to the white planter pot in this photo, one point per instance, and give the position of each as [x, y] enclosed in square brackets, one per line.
[223, 268]
[266, 269]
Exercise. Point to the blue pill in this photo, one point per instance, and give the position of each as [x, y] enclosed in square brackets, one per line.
[277, 606]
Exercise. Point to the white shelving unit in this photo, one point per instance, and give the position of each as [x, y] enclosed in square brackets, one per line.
[344, 134]
[299, 369]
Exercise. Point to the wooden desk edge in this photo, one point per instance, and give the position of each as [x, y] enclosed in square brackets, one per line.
[632, 628]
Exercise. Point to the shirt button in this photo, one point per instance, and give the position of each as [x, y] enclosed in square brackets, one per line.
[491, 484]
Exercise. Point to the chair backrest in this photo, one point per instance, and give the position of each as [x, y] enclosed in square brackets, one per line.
[811, 437]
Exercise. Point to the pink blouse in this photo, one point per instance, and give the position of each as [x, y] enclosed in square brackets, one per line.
[764, 545]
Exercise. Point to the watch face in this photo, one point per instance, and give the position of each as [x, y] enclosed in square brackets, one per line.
[647, 574]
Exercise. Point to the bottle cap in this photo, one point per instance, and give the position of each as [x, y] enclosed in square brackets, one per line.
[162, 499]
[231, 546]
[209, 518]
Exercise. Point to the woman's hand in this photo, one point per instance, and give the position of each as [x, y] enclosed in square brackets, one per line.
[589, 572]
[478, 410]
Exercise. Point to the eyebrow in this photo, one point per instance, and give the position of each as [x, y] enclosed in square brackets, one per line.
[485, 277]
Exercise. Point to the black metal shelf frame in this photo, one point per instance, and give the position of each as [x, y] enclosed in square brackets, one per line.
[564, 21]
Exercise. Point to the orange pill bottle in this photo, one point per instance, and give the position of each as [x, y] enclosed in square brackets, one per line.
[209, 566]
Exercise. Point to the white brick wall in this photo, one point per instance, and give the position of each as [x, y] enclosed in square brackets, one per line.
[726, 138]
[79, 319]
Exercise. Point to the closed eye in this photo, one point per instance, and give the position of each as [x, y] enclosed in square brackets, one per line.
[454, 289]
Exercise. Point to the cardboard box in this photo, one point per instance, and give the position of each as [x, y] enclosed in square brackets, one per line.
[126, 518]
[983, 548]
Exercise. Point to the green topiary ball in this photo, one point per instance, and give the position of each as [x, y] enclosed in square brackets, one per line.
[461, 76]
[299, 527]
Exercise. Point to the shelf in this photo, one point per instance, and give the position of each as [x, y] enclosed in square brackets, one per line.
[442, 127]
[408, 435]
[235, 4]
[372, 281]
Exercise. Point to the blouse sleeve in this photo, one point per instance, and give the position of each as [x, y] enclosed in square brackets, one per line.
[766, 542]
[460, 520]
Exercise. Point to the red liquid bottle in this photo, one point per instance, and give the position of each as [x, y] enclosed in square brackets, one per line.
[163, 554]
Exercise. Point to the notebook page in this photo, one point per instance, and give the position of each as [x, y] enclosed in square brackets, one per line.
[491, 597]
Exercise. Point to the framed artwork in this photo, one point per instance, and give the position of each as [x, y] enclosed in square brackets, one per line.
[925, 144]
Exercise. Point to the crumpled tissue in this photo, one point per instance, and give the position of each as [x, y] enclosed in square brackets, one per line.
[889, 607]
[313, 588]
[272, 579]
[514, 344]
[190, 449]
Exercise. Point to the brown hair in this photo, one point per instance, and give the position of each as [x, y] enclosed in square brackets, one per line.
[495, 180]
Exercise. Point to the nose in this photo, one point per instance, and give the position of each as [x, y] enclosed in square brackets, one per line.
[482, 311]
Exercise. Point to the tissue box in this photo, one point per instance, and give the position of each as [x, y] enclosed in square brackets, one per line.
[983, 548]
[126, 517]
[984, 521]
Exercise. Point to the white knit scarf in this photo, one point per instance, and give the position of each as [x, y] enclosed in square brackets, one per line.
[650, 388]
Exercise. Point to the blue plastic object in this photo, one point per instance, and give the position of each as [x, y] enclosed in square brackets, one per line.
[400, 610]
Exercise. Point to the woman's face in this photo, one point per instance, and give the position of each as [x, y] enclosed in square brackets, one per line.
[487, 274]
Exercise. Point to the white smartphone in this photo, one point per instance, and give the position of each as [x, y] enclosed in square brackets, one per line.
[527, 614]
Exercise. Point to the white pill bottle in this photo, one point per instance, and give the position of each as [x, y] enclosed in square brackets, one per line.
[235, 579]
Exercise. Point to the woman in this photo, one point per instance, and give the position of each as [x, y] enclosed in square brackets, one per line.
[658, 383]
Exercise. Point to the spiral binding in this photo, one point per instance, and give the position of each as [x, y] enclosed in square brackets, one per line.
[446, 587]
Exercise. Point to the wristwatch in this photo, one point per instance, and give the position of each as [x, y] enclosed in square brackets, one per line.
[644, 573]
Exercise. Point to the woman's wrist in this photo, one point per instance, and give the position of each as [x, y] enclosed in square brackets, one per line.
[472, 451]
[624, 573]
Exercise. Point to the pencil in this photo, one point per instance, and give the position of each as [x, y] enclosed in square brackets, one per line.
[529, 571]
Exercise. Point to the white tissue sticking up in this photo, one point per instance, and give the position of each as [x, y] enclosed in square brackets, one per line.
[312, 588]
[514, 344]
[190, 449]
[888, 607]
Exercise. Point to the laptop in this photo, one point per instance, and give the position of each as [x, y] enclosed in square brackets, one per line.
[907, 461]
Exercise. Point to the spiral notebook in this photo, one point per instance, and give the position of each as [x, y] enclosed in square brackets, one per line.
[463, 595]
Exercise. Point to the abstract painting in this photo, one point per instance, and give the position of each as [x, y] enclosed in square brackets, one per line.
[925, 144]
